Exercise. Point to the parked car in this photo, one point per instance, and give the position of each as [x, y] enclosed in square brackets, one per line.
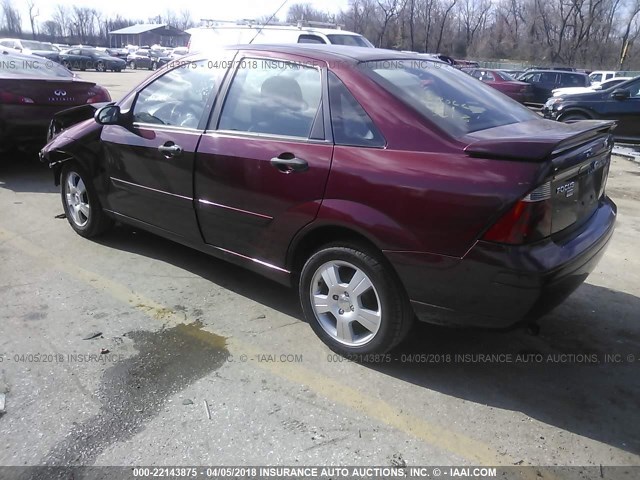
[380, 184]
[31, 93]
[545, 81]
[178, 52]
[512, 72]
[117, 52]
[32, 47]
[593, 87]
[145, 58]
[206, 38]
[90, 58]
[620, 103]
[519, 91]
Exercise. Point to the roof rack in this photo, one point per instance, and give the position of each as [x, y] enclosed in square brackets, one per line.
[211, 22]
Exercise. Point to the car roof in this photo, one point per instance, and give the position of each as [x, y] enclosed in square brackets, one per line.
[557, 71]
[336, 52]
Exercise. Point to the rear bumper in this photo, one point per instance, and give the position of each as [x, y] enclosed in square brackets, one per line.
[499, 285]
[26, 127]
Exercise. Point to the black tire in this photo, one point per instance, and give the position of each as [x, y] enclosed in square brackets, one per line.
[66, 65]
[132, 65]
[154, 66]
[397, 315]
[573, 116]
[100, 67]
[97, 220]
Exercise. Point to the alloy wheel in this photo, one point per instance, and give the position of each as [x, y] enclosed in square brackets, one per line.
[77, 199]
[345, 303]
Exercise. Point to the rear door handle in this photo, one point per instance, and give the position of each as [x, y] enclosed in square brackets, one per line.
[289, 163]
[170, 149]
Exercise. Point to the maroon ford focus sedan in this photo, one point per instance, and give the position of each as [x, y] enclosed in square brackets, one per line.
[380, 185]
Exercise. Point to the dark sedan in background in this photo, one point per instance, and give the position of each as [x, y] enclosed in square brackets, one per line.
[31, 92]
[149, 59]
[620, 102]
[520, 91]
[380, 184]
[91, 59]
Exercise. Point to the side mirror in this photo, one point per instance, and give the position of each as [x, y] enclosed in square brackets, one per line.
[108, 115]
[620, 94]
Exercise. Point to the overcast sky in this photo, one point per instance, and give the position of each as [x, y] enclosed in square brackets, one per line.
[143, 9]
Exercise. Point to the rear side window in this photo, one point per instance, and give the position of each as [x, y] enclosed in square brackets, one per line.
[572, 80]
[310, 39]
[351, 124]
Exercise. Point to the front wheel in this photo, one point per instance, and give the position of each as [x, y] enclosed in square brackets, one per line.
[80, 202]
[100, 67]
[353, 301]
[132, 65]
[154, 66]
[573, 117]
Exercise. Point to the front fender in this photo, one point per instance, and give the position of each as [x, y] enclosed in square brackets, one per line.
[80, 142]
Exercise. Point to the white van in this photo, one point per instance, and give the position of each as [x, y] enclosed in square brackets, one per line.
[205, 38]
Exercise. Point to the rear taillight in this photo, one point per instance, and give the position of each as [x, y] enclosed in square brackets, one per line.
[527, 221]
[98, 94]
[8, 98]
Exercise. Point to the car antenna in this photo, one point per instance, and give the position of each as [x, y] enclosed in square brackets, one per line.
[267, 22]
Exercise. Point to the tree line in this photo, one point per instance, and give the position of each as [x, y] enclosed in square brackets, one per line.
[74, 24]
[584, 33]
[581, 33]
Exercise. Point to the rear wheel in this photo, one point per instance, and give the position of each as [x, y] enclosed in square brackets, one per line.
[80, 201]
[66, 64]
[132, 65]
[100, 67]
[353, 301]
[154, 66]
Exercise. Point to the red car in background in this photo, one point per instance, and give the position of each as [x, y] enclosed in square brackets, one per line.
[32, 90]
[503, 82]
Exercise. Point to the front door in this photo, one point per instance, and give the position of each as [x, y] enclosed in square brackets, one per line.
[150, 163]
[261, 171]
[626, 112]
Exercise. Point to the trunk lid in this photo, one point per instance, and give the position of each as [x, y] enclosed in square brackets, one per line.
[574, 158]
[63, 92]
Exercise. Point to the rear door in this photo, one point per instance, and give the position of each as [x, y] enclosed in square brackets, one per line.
[263, 163]
[150, 164]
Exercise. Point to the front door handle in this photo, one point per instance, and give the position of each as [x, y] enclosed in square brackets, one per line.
[289, 163]
[170, 149]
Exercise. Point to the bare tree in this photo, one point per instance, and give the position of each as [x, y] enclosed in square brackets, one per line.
[33, 14]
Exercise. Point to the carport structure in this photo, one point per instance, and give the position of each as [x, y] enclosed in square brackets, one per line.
[149, 34]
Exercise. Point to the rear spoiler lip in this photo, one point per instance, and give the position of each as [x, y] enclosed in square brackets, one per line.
[535, 148]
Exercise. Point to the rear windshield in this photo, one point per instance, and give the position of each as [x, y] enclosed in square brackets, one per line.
[349, 40]
[20, 66]
[449, 98]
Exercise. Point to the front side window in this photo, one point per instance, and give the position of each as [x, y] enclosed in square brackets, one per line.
[179, 97]
[272, 97]
[446, 96]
